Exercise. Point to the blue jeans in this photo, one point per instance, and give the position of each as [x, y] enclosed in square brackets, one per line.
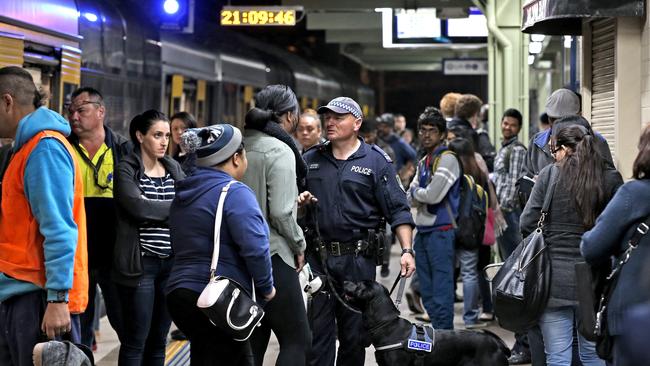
[511, 237]
[557, 325]
[434, 262]
[146, 320]
[469, 273]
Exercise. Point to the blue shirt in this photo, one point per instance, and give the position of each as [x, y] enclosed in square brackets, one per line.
[244, 250]
[403, 151]
[354, 194]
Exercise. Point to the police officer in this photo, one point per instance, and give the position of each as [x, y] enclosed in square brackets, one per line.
[356, 186]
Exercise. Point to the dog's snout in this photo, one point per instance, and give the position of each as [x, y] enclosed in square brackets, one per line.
[349, 287]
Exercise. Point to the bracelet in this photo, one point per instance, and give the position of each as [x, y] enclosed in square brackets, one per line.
[57, 302]
[409, 251]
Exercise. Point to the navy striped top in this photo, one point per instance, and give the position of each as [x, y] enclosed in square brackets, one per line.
[154, 236]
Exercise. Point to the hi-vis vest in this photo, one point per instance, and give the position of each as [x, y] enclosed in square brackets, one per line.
[21, 256]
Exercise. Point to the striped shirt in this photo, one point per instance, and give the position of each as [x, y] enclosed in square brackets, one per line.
[154, 237]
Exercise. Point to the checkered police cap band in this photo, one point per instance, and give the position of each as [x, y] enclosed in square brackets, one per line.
[342, 105]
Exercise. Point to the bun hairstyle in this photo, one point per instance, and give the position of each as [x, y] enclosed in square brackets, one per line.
[270, 104]
[142, 122]
[582, 170]
[433, 117]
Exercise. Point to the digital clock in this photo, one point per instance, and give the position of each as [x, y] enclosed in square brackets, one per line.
[248, 15]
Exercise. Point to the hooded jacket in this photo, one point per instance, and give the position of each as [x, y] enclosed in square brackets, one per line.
[244, 241]
[48, 173]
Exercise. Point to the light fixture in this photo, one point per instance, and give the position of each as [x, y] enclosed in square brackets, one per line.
[531, 59]
[171, 6]
[568, 40]
[91, 17]
[537, 37]
[535, 47]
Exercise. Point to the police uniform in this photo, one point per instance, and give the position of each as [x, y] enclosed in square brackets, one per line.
[353, 196]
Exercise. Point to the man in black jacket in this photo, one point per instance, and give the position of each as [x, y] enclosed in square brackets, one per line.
[99, 150]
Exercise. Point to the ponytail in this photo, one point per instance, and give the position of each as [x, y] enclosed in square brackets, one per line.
[583, 171]
[257, 118]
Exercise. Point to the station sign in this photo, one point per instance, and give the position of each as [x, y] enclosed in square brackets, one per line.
[259, 15]
[465, 66]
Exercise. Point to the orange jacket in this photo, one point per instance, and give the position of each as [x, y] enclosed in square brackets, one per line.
[21, 243]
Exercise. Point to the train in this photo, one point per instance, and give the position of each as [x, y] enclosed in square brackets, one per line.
[113, 46]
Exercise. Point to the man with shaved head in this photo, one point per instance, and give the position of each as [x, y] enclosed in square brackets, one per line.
[43, 263]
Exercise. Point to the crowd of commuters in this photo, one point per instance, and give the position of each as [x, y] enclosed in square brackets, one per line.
[303, 192]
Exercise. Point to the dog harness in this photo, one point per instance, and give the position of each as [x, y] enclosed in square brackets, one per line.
[421, 341]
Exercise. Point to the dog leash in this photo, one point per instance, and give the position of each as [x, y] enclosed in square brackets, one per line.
[400, 292]
[322, 255]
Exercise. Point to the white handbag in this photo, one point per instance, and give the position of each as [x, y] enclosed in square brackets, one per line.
[224, 301]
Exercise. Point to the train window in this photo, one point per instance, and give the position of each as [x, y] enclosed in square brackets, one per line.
[91, 44]
[114, 39]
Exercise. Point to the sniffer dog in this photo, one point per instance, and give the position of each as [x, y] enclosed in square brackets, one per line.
[448, 347]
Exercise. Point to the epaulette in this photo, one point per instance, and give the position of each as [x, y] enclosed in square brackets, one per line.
[382, 152]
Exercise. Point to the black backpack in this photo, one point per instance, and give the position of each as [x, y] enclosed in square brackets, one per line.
[472, 212]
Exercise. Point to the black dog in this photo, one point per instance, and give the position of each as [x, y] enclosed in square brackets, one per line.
[450, 347]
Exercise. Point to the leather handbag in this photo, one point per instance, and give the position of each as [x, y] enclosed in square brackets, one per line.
[522, 286]
[590, 282]
[224, 301]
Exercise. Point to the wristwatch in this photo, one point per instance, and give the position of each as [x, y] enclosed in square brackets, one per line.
[60, 298]
[409, 251]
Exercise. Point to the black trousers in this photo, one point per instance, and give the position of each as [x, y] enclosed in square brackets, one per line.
[286, 316]
[20, 327]
[331, 319]
[209, 346]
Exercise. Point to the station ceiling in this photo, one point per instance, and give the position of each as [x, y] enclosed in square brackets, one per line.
[357, 28]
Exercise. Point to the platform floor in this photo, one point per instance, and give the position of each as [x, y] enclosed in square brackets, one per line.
[178, 352]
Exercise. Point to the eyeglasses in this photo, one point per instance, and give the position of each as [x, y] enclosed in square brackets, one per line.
[428, 131]
[555, 150]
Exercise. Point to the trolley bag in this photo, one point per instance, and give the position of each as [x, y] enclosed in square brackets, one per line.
[224, 301]
[521, 287]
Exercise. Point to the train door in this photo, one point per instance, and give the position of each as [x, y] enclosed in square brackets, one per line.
[188, 95]
[56, 70]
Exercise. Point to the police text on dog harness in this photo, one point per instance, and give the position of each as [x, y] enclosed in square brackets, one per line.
[420, 340]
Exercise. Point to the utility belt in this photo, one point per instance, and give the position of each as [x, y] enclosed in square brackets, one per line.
[373, 246]
[337, 248]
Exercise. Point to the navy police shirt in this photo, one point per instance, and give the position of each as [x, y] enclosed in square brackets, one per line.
[354, 194]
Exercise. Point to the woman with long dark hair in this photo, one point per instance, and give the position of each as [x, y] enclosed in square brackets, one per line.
[180, 122]
[609, 238]
[468, 259]
[144, 190]
[276, 172]
[584, 186]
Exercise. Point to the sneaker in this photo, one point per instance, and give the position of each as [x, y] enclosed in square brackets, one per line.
[486, 317]
[414, 302]
[519, 358]
[475, 325]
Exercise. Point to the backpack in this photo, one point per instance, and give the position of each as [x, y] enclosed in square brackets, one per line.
[472, 212]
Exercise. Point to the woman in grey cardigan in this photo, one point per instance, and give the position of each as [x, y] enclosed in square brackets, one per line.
[584, 187]
[275, 171]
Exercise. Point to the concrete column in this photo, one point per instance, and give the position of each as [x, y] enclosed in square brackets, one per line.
[508, 58]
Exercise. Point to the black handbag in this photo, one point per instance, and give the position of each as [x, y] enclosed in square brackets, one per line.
[604, 344]
[590, 282]
[522, 286]
[224, 301]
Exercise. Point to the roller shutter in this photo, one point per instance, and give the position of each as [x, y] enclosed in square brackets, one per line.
[603, 51]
